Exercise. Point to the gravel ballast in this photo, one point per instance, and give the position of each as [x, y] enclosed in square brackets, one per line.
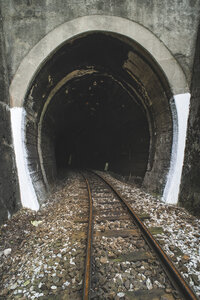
[42, 254]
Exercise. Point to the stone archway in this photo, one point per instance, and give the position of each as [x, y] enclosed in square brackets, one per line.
[36, 58]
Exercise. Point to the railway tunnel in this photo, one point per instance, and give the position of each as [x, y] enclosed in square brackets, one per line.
[99, 101]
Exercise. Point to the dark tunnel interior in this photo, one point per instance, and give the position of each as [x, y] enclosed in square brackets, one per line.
[100, 102]
[98, 121]
[98, 125]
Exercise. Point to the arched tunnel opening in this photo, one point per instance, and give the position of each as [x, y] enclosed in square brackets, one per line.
[100, 101]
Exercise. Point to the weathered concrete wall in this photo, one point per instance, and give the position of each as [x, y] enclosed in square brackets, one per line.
[9, 192]
[190, 185]
[173, 22]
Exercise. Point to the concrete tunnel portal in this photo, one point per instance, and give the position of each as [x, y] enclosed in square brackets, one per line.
[99, 101]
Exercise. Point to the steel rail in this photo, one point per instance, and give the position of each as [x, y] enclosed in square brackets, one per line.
[173, 274]
[88, 262]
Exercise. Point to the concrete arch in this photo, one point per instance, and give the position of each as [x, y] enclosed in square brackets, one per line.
[59, 35]
[43, 49]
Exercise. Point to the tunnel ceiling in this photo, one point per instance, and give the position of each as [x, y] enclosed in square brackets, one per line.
[99, 101]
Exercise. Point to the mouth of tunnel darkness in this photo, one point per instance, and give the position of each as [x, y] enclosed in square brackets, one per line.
[100, 102]
[99, 126]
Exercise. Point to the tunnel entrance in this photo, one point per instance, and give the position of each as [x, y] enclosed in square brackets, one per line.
[99, 101]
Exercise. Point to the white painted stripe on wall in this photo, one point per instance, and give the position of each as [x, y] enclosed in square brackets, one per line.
[180, 119]
[27, 192]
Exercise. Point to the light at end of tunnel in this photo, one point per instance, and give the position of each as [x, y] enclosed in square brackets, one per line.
[180, 111]
[9, 215]
[27, 192]
[106, 166]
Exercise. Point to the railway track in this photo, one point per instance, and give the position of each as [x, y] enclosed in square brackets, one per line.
[123, 259]
[121, 265]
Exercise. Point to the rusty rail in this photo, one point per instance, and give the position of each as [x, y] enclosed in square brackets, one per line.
[88, 262]
[173, 274]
